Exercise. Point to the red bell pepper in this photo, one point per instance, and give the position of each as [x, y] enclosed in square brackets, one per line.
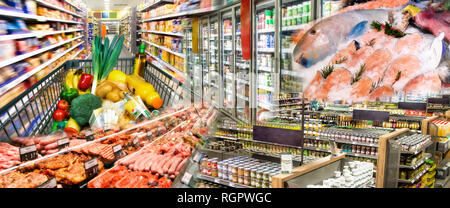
[85, 81]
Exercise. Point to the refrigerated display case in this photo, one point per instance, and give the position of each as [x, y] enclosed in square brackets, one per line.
[204, 59]
[213, 55]
[242, 74]
[227, 68]
[329, 7]
[193, 66]
[265, 53]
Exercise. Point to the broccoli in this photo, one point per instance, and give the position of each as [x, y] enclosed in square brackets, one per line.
[83, 106]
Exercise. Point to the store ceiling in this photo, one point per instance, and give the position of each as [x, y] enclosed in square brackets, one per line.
[113, 4]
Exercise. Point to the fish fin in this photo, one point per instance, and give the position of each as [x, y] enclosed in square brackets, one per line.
[357, 30]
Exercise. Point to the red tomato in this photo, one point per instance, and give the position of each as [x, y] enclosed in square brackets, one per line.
[63, 105]
[59, 115]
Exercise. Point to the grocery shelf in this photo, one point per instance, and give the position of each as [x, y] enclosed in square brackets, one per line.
[317, 149]
[44, 3]
[221, 181]
[164, 48]
[266, 88]
[264, 69]
[417, 164]
[36, 34]
[264, 105]
[33, 53]
[34, 17]
[164, 33]
[268, 50]
[169, 66]
[294, 27]
[260, 31]
[73, 5]
[191, 12]
[418, 150]
[418, 176]
[242, 80]
[235, 129]
[361, 155]
[356, 143]
[28, 75]
[287, 50]
[241, 97]
[291, 73]
[155, 4]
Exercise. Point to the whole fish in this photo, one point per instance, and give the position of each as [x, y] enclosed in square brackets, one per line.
[324, 38]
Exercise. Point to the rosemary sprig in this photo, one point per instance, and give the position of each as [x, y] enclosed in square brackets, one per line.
[375, 85]
[377, 25]
[359, 74]
[327, 71]
[388, 29]
[342, 60]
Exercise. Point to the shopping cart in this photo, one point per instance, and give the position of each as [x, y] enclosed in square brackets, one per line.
[31, 112]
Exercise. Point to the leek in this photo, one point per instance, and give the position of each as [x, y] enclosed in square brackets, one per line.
[104, 57]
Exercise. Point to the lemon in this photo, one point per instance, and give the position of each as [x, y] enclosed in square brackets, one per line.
[117, 76]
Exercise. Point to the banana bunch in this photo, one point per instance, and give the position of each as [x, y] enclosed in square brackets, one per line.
[72, 79]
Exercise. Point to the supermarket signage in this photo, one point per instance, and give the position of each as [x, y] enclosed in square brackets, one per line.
[118, 151]
[28, 153]
[63, 143]
[278, 135]
[442, 101]
[370, 115]
[412, 106]
[51, 183]
[91, 168]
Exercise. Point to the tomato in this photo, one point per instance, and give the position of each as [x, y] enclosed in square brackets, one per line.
[63, 105]
[59, 115]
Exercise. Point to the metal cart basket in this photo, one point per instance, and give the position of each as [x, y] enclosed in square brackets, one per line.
[31, 112]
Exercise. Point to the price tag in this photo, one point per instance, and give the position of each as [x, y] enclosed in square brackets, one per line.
[91, 168]
[51, 183]
[118, 151]
[197, 157]
[63, 143]
[186, 178]
[286, 162]
[135, 142]
[28, 153]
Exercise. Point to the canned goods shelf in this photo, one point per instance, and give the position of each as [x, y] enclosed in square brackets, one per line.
[417, 164]
[412, 181]
[418, 150]
[221, 181]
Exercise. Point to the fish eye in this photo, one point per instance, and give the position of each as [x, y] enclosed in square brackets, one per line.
[313, 32]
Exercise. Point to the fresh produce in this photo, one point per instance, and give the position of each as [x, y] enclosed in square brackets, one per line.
[63, 105]
[59, 115]
[85, 82]
[117, 76]
[104, 57]
[145, 90]
[82, 108]
[68, 93]
[111, 91]
[72, 127]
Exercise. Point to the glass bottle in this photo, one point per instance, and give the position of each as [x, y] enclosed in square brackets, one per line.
[140, 60]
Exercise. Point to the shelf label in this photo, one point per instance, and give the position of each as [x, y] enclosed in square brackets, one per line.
[28, 153]
[286, 162]
[118, 151]
[63, 143]
[91, 168]
[51, 183]
[186, 178]
[135, 142]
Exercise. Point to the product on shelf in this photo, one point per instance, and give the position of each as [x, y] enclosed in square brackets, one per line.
[414, 142]
[241, 170]
[354, 175]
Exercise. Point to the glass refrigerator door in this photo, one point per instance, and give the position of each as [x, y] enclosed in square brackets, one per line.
[227, 62]
[265, 54]
[242, 75]
[329, 7]
[214, 60]
[194, 66]
[204, 48]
